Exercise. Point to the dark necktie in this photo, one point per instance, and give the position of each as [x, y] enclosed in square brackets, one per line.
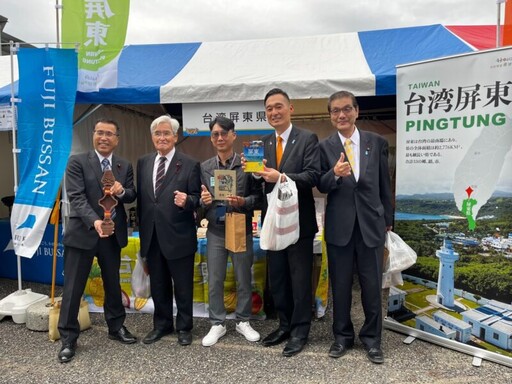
[160, 174]
[105, 165]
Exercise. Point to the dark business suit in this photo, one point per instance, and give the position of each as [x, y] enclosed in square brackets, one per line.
[82, 242]
[357, 214]
[290, 269]
[168, 237]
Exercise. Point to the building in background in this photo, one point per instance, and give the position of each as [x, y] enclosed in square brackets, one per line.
[5, 38]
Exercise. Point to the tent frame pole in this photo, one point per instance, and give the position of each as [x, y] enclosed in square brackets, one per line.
[498, 23]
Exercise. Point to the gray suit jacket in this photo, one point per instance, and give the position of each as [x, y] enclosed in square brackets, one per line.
[246, 186]
[369, 199]
[175, 227]
[301, 162]
[84, 189]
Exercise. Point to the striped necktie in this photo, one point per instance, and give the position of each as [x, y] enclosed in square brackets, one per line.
[160, 174]
[105, 165]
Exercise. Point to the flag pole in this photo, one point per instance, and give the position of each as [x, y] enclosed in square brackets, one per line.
[15, 149]
[498, 23]
[57, 7]
[54, 219]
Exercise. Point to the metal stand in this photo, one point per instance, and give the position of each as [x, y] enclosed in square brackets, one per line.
[477, 353]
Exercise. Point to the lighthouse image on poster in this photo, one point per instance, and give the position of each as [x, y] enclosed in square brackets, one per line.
[445, 284]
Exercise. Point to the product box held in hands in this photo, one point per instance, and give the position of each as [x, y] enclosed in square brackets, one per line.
[253, 153]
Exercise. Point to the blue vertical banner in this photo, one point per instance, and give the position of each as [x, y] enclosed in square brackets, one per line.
[47, 89]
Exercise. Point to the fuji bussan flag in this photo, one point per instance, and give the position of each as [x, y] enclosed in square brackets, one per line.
[47, 89]
[99, 26]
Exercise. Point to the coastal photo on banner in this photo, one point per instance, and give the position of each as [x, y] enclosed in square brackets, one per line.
[454, 198]
[99, 27]
[47, 89]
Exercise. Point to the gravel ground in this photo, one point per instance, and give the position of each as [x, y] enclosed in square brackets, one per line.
[28, 357]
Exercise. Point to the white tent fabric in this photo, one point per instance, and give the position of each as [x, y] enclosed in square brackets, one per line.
[311, 66]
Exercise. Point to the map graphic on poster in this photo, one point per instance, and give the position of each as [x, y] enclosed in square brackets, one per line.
[481, 167]
[454, 200]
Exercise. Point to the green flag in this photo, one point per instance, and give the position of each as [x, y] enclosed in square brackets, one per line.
[99, 26]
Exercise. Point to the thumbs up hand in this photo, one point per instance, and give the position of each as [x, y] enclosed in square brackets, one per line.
[206, 196]
[342, 168]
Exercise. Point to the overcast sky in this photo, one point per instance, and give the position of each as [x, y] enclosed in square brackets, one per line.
[169, 21]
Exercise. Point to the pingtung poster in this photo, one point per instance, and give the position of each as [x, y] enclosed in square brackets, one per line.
[454, 199]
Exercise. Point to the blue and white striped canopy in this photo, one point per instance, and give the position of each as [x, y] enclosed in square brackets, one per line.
[244, 70]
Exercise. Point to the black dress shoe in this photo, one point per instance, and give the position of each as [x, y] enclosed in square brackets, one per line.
[155, 335]
[184, 338]
[293, 346]
[375, 355]
[123, 335]
[276, 337]
[337, 350]
[67, 352]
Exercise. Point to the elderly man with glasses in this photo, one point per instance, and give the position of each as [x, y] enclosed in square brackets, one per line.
[169, 186]
[359, 212]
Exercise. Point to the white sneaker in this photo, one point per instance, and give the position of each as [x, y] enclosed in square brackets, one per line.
[245, 329]
[216, 332]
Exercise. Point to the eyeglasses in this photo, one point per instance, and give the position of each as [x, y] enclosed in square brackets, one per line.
[163, 133]
[346, 110]
[223, 134]
[105, 134]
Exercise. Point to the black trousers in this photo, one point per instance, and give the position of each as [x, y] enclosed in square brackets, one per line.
[168, 278]
[368, 262]
[77, 265]
[290, 283]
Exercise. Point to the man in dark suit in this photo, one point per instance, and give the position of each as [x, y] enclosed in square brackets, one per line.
[359, 212]
[170, 187]
[84, 237]
[293, 152]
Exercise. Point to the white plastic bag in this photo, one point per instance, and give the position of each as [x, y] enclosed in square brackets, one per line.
[281, 224]
[401, 256]
[391, 279]
[140, 281]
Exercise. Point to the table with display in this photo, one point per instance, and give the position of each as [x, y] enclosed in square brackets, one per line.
[39, 269]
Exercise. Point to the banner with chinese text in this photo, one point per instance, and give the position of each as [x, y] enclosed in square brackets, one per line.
[249, 117]
[454, 198]
[100, 28]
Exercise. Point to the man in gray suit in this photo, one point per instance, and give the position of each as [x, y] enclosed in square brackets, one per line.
[169, 189]
[85, 239]
[359, 212]
[248, 196]
[294, 152]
